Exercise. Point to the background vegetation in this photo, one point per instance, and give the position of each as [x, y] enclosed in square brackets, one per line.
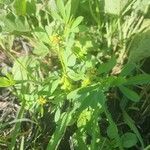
[75, 74]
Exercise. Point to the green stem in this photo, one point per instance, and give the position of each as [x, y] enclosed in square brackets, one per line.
[94, 133]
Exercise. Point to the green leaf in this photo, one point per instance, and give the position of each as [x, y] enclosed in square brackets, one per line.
[57, 115]
[54, 85]
[106, 67]
[54, 10]
[118, 81]
[128, 68]
[60, 131]
[115, 6]
[68, 10]
[140, 47]
[41, 35]
[93, 99]
[129, 139]
[31, 7]
[133, 96]
[77, 21]
[128, 120]
[23, 68]
[6, 82]
[75, 4]
[20, 7]
[141, 5]
[84, 117]
[15, 24]
[146, 24]
[139, 80]
[71, 60]
[73, 95]
[61, 8]
[147, 147]
[112, 131]
[40, 49]
[75, 76]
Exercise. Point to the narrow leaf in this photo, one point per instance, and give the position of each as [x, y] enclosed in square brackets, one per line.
[5, 82]
[77, 22]
[61, 7]
[139, 80]
[128, 68]
[133, 96]
[68, 10]
[128, 120]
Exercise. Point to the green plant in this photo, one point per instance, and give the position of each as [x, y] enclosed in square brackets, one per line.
[72, 65]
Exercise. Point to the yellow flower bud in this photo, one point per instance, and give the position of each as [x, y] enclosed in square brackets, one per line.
[42, 100]
[66, 83]
[55, 39]
[86, 82]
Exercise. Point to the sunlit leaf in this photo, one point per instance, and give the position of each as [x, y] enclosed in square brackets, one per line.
[77, 21]
[20, 7]
[140, 47]
[6, 82]
[61, 7]
[115, 6]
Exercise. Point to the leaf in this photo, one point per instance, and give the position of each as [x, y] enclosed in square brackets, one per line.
[77, 21]
[118, 81]
[129, 140]
[41, 35]
[146, 24]
[84, 117]
[60, 131]
[128, 120]
[61, 8]
[75, 76]
[112, 131]
[147, 147]
[140, 47]
[133, 96]
[139, 79]
[68, 11]
[93, 99]
[75, 4]
[18, 71]
[73, 95]
[40, 49]
[128, 68]
[71, 61]
[106, 67]
[31, 7]
[54, 85]
[57, 115]
[23, 67]
[115, 6]
[14, 24]
[6, 82]
[20, 7]
[141, 5]
[54, 10]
